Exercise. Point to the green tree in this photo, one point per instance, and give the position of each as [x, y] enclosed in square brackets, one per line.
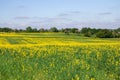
[34, 30]
[88, 34]
[84, 30]
[29, 29]
[104, 33]
[74, 30]
[41, 30]
[6, 29]
[118, 29]
[53, 29]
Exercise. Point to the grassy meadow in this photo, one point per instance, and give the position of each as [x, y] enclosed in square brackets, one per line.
[57, 56]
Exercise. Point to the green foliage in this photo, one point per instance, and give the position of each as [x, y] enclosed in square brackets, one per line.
[118, 29]
[34, 30]
[53, 29]
[41, 30]
[29, 29]
[84, 30]
[6, 29]
[74, 30]
[104, 34]
[88, 34]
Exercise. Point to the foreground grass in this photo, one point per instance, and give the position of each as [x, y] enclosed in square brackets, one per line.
[62, 58]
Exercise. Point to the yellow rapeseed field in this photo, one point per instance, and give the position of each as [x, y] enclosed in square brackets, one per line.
[35, 56]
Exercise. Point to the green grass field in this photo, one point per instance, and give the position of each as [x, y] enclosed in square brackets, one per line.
[57, 56]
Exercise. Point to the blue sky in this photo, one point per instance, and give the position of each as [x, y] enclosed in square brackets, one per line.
[60, 13]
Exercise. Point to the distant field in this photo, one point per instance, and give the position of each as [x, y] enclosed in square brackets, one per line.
[50, 39]
[57, 56]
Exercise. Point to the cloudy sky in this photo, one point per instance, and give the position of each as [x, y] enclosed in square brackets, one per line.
[60, 13]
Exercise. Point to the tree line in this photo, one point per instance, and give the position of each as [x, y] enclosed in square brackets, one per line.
[86, 31]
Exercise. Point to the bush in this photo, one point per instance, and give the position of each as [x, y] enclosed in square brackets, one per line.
[53, 29]
[87, 34]
[104, 34]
